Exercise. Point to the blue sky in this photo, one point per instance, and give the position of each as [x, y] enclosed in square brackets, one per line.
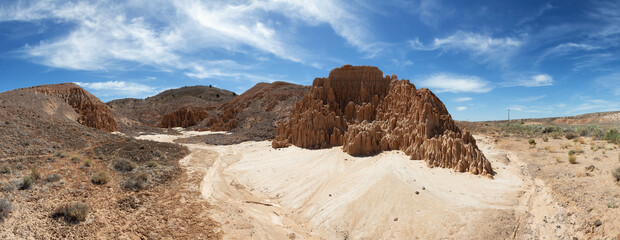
[538, 58]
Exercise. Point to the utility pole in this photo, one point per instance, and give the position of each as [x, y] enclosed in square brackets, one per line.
[509, 114]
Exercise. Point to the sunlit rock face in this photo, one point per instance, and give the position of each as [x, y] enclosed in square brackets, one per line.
[92, 111]
[365, 112]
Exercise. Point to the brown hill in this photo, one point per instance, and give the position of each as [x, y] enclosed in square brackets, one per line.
[48, 160]
[255, 114]
[359, 109]
[91, 111]
[151, 111]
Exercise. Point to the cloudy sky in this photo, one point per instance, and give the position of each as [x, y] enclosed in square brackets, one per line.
[537, 58]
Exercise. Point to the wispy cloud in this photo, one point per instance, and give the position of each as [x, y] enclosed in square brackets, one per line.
[461, 108]
[445, 82]
[167, 35]
[482, 47]
[463, 99]
[109, 89]
[530, 99]
[536, 80]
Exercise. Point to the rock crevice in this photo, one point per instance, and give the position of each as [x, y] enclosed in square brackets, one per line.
[365, 112]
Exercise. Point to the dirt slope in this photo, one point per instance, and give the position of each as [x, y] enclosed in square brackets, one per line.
[47, 160]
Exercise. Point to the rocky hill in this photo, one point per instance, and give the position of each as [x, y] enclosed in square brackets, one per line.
[363, 111]
[90, 110]
[56, 153]
[151, 111]
[255, 114]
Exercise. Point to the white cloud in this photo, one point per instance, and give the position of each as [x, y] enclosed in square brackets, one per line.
[480, 46]
[463, 99]
[443, 82]
[461, 108]
[566, 48]
[169, 35]
[530, 99]
[537, 80]
[118, 88]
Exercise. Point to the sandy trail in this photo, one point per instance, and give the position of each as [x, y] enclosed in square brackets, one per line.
[265, 193]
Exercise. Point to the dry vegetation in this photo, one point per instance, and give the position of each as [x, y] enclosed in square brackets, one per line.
[579, 163]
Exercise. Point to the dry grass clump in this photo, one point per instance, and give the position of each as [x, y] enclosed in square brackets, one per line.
[5, 208]
[73, 212]
[88, 163]
[53, 178]
[616, 174]
[124, 165]
[62, 155]
[99, 178]
[532, 143]
[5, 170]
[136, 182]
[26, 183]
[34, 174]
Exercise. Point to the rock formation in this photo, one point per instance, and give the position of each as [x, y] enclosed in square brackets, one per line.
[92, 112]
[359, 109]
[183, 117]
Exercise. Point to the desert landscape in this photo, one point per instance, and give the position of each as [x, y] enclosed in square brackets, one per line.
[357, 155]
[329, 119]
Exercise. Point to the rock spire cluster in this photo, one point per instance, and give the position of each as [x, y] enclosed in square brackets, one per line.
[358, 108]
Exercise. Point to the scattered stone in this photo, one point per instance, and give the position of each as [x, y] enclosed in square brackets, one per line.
[395, 219]
[598, 223]
[416, 192]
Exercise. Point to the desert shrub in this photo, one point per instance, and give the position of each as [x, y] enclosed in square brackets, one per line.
[570, 135]
[136, 182]
[571, 152]
[5, 170]
[88, 163]
[53, 178]
[616, 174]
[34, 174]
[152, 164]
[76, 160]
[99, 178]
[593, 131]
[612, 136]
[124, 165]
[26, 183]
[572, 159]
[158, 153]
[73, 212]
[5, 208]
[62, 155]
[545, 139]
[582, 141]
[551, 129]
[532, 142]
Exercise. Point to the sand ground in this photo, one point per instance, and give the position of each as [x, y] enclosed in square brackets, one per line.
[263, 193]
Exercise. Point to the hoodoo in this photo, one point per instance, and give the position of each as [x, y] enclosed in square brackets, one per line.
[358, 108]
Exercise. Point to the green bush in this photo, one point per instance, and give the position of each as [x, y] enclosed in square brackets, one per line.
[612, 136]
[73, 212]
[616, 174]
[5, 170]
[570, 135]
[99, 178]
[5, 208]
[88, 163]
[26, 183]
[124, 165]
[572, 159]
[152, 164]
[532, 142]
[571, 152]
